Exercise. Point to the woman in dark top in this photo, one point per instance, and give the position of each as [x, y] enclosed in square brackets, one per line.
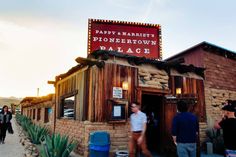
[5, 117]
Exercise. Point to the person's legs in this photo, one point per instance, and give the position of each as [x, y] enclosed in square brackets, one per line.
[3, 133]
[0, 135]
[182, 150]
[192, 149]
[145, 151]
[132, 145]
[230, 153]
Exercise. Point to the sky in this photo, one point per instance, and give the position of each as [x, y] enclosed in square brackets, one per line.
[40, 39]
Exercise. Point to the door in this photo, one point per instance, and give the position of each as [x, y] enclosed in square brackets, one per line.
[152, 105]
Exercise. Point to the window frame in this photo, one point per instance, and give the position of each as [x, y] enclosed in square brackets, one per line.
[62, 101]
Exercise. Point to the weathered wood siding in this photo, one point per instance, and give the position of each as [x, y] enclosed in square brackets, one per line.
[72, 85]
[100, 86]
[193, 86]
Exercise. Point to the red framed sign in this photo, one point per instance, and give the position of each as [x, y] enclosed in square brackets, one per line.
[138, 39]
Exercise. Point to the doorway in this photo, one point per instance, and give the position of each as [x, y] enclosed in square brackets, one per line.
[152, 105]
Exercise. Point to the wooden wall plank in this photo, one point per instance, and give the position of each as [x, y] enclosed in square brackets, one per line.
[85, 96]
[95, 87]
[104, 79]
[201, 100]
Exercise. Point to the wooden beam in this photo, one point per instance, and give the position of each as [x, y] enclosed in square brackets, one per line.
[51, 82]
[175, 62]
[90, 62]
[154, 90]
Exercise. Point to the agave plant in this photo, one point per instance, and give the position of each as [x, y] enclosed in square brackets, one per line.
[56, 146]
[20, 118]
[25, 125]
[36, 132]
[24, 121]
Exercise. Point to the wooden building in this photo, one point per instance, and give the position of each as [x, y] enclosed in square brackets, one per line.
[39, 110]
[220, 75]
[95, 95]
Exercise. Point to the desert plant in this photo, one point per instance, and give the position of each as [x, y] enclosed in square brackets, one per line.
[20, 118]
[24, 121]
[56, 146]
[25, 125]
[36, 132]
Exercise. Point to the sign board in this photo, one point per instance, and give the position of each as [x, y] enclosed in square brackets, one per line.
[117, 110]
[117, 92]
[170, 97]
[132, 38]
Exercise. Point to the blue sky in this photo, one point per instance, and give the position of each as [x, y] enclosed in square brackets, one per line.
[40, 39]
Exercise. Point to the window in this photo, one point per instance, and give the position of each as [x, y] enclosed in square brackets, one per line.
[30, 113]
[67, 107]
[38, 114]
[33, 113]
[178, 84]
[46, 115]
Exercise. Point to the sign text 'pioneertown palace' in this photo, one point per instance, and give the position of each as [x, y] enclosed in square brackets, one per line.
[138, 39]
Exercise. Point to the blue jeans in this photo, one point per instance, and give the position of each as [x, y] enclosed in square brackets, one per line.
[230, 153]
[187, 149]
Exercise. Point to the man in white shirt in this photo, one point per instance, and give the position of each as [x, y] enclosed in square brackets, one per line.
[138, 122]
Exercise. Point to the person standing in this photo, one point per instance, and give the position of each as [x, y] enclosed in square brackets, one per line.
[228, 124]
[5, 117]
[185, 129]
[138, 122]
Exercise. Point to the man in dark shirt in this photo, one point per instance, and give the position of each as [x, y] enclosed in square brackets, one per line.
[228, 124]
[185, 129]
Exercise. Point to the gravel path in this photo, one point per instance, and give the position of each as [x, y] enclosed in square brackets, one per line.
[12, 147]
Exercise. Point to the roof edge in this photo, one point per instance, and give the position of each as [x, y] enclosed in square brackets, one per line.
[233, 53]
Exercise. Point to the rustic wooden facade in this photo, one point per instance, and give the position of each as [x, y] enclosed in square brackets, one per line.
[40, 110]
[220, 76]
[150, 82]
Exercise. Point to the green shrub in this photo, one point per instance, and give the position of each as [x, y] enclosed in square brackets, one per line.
[20, 118]
[33, 131]
[24, 121]
[36, 132]
[56, 146]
